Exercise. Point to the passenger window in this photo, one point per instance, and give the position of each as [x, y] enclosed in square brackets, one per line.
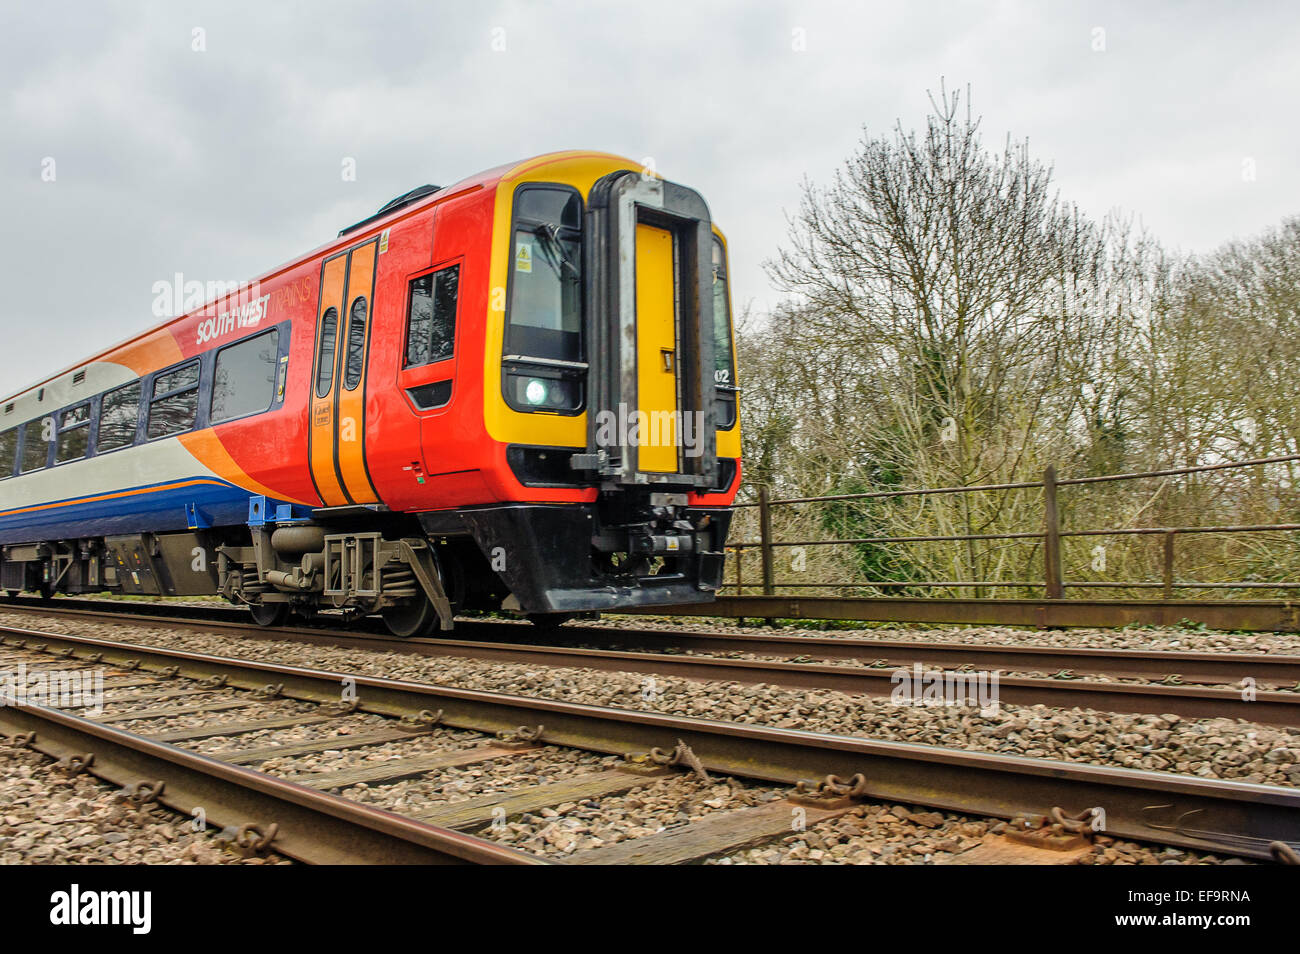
[175, 403]
[119, 413]
[329, 326]
[36, 444]
[8, 452]
[431, 325]
[356, 345]
[244, 381]
[74, 434]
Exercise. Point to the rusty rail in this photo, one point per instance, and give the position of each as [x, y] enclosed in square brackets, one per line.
[310, 826]
[669, 654]
[1249, 615]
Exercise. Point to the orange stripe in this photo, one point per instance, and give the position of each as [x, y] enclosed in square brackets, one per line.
[115, 496]
[322, 409]
[352, 404]
[156, 351]
[208, 450]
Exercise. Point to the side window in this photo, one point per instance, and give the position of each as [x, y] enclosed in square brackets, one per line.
[8, 452]
[329, 327]
[37, 436]
[431, 324]
[118, 415]
[244, 382]
[74, 434]
[175, 402]
[724, 363]
[356, 345]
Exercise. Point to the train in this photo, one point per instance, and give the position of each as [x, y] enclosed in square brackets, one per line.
[516, 394]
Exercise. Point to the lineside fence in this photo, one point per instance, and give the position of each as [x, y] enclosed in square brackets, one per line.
[1049, 597]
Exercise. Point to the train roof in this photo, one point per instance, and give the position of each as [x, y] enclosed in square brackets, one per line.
[393, 211]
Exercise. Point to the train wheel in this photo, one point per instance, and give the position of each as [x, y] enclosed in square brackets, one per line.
[269, 614]
[12, 594]
[46, 592]
[411, 618]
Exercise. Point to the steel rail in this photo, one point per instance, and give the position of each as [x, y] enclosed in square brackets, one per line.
[1204, 814]
[1210, 667]
[1216, 668]
[1248, 615]
[311, 826]
[1279, 708]
[1254, 615]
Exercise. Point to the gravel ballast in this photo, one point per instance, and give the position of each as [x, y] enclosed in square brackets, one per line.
[1211, 748]
[50, 817]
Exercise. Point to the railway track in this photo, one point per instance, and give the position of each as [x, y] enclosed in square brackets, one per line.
[1192, 813]
[1189, 684]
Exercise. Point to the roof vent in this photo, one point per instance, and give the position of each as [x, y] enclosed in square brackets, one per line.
[79, 377]
[9, 408]
[403, 200]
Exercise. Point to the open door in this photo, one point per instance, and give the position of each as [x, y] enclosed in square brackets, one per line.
[649, 311]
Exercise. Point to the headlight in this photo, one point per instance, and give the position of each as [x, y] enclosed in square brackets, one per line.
[543, 392]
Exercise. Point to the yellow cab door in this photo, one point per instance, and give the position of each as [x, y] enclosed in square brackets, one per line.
[656, 334]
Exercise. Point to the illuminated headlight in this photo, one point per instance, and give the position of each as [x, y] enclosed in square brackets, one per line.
[541, 392]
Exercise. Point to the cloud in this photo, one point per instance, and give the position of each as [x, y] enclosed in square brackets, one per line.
[223, 163]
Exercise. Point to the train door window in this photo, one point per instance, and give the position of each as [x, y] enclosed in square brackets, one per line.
[244, 380]
[175, 402]
[74, 434]
[8, 452]
[356, 360]
[119, 415]
[37, 436]
[329, 326]
[431, 323]
[724, 366]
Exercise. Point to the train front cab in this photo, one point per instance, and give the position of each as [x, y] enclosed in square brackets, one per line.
[609, 388]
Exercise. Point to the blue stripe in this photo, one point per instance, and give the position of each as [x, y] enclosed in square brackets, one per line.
[159, 511]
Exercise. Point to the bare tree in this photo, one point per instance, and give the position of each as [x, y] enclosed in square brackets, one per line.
[949, 321]
[960, 309]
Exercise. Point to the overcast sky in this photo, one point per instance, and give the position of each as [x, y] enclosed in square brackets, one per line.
[223, 162]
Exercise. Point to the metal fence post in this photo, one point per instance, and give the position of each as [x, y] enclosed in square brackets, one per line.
[1052, 537]
[765, 540]
[765, 545]
[1169, 566]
